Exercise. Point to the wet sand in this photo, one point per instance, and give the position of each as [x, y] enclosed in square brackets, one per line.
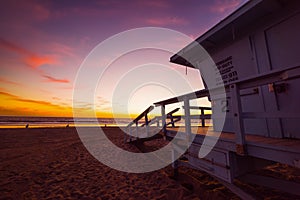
[52, 163]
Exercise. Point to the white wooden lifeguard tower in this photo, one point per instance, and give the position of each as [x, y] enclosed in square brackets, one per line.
[257, 52]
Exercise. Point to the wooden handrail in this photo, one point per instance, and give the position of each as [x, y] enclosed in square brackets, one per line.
[199, 108]
[136, 120]
[143, 114]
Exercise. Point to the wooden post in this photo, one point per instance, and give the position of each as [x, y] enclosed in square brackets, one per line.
[163, 118]
[137, 129]
[187, 118]
[130, 134]
[147, 124]
[125, 135]
[175, 163]
[172, 120]
[238, 120]
[202, 117]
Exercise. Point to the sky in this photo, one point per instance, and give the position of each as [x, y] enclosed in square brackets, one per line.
[43, 45]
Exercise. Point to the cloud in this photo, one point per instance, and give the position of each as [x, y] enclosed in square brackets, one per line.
[166, 21]
[8, 95]
[3, 80]
[31, 59]
[102, 100]
[35, 102]
[35, 61]
[224, 6]
[16, 105]
[13, 47]
[19, 99]
[56, 98]
[55, 80]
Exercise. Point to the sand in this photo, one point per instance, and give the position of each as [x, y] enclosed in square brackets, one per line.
[52, 163]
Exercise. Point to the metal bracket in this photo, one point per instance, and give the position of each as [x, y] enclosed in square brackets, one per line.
[241, 149]
[278, 88]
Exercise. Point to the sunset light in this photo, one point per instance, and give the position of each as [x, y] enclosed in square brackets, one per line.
[43, 44]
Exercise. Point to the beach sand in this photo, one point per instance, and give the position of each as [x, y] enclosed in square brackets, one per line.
[52, 163]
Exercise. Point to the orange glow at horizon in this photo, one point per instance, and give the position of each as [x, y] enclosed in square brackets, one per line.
[16, 106]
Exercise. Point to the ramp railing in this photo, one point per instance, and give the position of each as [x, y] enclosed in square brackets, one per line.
[135, 122]
[148, 122]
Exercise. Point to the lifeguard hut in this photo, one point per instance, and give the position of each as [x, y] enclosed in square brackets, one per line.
[256, 52]
[260, 38]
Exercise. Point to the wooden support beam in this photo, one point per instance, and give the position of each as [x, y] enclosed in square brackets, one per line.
[202, 120]
[147, 124]
[163, 118]
[175, 162]
[238, 120]
[137, 129]
[187, 120]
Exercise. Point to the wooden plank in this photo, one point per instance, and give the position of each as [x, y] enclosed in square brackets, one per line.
[199, 108]
[215, 156]
[192, 95]
[211, 168]
[270, 115]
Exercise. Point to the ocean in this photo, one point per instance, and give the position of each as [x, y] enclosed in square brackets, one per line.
[49, 122]
[40, 122]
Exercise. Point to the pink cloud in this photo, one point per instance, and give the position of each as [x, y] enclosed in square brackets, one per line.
[36, 61]
[55, 80]
[31, 59]
[166, 21]
[223, 6]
